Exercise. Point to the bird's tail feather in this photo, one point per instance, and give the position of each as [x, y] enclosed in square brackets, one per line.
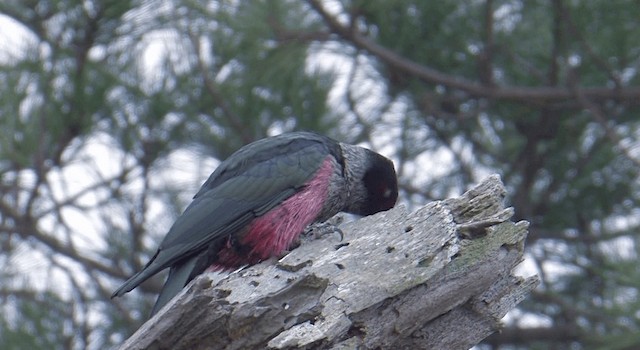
[179, 275]
[147, 271]
[133, 282]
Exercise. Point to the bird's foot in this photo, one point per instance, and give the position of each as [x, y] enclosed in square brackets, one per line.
[317, 230]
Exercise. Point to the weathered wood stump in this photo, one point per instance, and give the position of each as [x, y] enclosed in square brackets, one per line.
[438, 278]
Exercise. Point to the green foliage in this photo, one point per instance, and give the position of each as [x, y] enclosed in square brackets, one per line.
[106, 102]
[37, 322]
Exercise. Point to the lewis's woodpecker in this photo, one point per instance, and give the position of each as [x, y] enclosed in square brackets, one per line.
[259, 200]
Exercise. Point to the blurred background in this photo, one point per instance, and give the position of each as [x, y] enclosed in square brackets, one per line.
[113, 113]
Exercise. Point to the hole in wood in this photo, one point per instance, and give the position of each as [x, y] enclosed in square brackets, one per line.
[338, 246]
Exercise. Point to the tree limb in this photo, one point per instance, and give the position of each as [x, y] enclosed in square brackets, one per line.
[630, 94]
[397, 280]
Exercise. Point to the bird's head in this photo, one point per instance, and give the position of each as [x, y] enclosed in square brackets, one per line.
[371, 181]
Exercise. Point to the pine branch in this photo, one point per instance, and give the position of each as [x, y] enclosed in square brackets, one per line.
[531, 95]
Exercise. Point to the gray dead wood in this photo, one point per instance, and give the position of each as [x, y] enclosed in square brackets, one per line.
[438, 278]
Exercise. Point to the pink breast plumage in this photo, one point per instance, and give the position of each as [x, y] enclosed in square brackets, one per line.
[274, 232]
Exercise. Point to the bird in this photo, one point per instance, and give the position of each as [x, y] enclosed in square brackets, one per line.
[259, 200]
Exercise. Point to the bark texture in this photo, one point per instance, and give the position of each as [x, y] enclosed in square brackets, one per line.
[437, 278]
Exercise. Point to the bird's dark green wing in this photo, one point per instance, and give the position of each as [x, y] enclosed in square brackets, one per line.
[266, 149]
[246, 185]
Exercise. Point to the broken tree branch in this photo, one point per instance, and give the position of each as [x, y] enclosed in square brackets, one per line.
[440, 277]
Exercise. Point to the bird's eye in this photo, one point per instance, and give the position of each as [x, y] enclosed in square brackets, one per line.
[387, 192]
